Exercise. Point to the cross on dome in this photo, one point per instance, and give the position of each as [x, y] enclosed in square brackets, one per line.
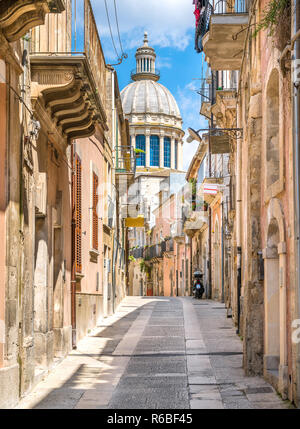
[145, 38]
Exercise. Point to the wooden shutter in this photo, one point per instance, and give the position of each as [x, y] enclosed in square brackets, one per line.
[78, 215]
[95, 214]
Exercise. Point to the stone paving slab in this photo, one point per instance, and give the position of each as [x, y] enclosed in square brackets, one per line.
[156, 353]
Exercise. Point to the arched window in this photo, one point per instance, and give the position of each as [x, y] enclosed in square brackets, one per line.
[140, 143]
[167, 152]
[176, 154]
[154, 151]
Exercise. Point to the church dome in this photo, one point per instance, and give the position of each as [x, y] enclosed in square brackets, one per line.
[148, 96]
[155, 123]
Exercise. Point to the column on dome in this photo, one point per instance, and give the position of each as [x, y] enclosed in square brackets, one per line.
[147, 149]
[180, 155]
[173, 153]
[133, 141]
[176, 154]
[161, 150]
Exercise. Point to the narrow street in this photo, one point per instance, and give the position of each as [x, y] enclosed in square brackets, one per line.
[167, 353]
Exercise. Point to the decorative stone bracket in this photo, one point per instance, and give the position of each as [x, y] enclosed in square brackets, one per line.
[66, 90]
[17, 17]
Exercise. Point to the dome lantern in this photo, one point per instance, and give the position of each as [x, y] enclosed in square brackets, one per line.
[145, 63]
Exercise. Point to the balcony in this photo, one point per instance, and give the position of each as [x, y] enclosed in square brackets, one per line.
[69, 74]
[137, 253]
[125, 160]
[153, 252]
[225, 106]
[138, 75]
[177, 230]
[157, 251]
[205, 100]
[223, 43]
[17, 17]
[195, 223]
[125, 165]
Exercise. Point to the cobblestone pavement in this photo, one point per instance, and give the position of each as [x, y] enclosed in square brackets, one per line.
[168, 353]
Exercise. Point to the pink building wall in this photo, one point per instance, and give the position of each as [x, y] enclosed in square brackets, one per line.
[89, 300]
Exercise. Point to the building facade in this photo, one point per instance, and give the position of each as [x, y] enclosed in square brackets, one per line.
[156, 134]
[254, 107]
[63, 141]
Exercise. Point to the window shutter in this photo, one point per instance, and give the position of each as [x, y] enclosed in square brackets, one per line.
[95, 214]
[78, 215]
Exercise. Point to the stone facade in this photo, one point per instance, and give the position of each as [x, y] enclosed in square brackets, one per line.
[54, 109]
[259, 284]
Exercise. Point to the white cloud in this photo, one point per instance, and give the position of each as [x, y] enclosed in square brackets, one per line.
[167, 21]
[163, 63]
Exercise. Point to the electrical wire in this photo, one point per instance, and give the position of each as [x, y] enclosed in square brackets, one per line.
[110, 30]
[21, 100]
[117, 22]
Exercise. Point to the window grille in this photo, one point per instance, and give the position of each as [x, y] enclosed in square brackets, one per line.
[140, 143]
[176, 154]
[154, 151]
[167, 152]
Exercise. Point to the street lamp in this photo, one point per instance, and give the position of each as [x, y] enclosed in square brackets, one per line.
[193, 135]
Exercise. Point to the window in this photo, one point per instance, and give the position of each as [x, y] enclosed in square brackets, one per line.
[78, 214]
[176, 154]
[167, 152]
[95, 214]
[154, 151]
[140, 143]
[201, 171]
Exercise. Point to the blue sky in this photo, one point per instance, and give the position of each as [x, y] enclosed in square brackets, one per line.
[170, 27]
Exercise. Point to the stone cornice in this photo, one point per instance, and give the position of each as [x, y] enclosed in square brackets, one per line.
[68, 95]
[8, 54]
[17, 17]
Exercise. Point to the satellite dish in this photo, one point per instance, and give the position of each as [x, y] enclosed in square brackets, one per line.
[193, 135]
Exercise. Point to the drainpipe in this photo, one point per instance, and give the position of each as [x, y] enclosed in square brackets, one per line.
[238, 225]
[73, 278]
[222, 250]
[191, 262]
[296, 126]
[211, 125]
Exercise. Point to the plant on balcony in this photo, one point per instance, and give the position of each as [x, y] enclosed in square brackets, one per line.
[276, 21]
[138, 152]
[132, 258]
[193, 182]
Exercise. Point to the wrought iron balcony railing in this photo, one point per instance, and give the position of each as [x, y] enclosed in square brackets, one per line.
[125, 160]
[81, 40]
[230, 6]
[136, 72]
[203, 26]
[158, 250]
[213, 7]
[138, 253]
